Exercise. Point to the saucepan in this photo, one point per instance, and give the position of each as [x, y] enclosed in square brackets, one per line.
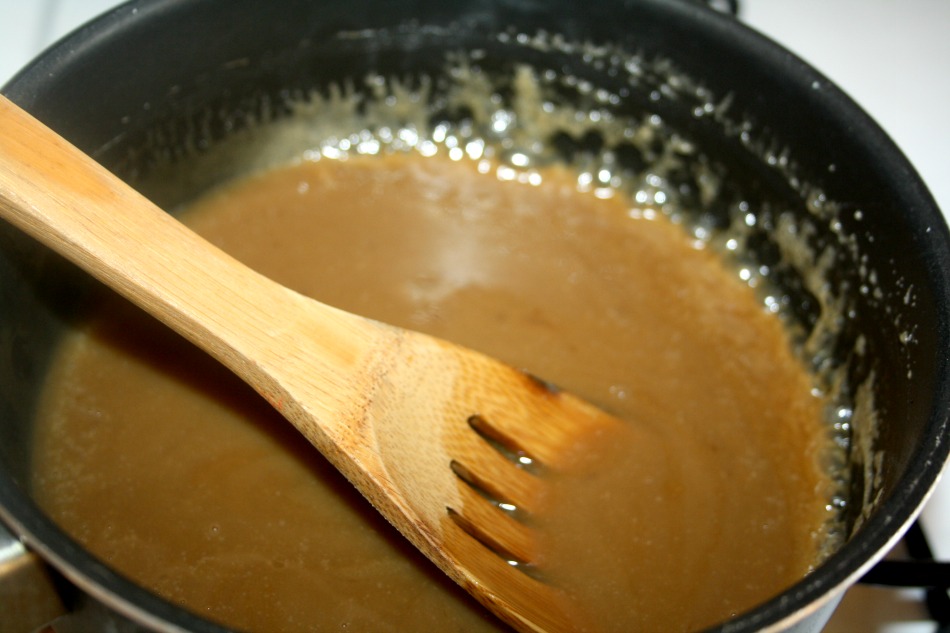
[153, 83]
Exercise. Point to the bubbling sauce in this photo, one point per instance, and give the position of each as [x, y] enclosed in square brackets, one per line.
[180, 477]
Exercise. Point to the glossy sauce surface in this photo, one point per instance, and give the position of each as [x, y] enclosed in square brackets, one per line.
[173, 472]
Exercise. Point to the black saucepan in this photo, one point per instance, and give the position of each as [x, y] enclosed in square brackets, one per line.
[142, 83]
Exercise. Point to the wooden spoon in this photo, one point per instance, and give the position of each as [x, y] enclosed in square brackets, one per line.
[412, 421]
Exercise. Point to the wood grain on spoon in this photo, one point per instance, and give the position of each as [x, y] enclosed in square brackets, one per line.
[406, 417]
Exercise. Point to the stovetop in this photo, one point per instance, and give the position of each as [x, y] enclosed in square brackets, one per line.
[890, 56]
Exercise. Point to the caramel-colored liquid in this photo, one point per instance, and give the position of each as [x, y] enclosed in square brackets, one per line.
[180, 477]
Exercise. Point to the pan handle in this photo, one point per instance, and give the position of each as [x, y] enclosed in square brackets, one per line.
[725, 6]
[729, 7]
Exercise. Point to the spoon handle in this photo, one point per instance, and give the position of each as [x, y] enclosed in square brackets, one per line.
[392, 409]
[64, 199]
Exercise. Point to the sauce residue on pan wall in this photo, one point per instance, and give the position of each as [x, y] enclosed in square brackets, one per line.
[159, 462]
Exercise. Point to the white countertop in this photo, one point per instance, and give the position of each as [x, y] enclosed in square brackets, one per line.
[892, 57]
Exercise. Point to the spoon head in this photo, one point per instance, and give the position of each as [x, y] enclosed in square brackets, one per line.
[459, 445]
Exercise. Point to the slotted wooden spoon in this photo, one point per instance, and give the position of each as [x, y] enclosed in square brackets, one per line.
[412, 421]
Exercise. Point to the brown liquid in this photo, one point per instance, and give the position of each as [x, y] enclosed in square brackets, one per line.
[177, 475]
